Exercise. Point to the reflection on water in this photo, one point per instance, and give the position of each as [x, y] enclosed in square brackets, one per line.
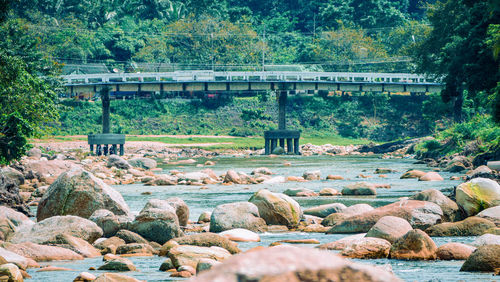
[349, 167]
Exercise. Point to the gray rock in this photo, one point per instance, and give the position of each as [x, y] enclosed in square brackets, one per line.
[449, 207]
[118, 264]
[492, 214]
[181, 209]
[287, 263]
[360, 188]
[487, 239]
[237, 215]
[47, 229]
[109, 222]
[118, 162]
[10, 179]
[325, 210]
[206, 264]
[389, 228]
[79, 192]
[277, 208]
[144, 163]
[34, 153]
[312, 175]
[278, 151]
[130, 237]
[157, 222]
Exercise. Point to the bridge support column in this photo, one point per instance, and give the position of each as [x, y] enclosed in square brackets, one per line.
[282, 97]
[105, 109]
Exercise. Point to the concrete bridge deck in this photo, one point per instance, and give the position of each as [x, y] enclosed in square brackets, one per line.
[250, 81]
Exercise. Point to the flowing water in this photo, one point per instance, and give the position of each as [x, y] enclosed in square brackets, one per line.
[348, 166]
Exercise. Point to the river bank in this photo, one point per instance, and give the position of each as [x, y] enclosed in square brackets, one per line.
[183, 195]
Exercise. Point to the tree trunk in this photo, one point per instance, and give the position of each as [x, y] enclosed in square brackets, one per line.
[458, 101]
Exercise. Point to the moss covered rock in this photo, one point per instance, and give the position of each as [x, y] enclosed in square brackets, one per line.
[478, 194]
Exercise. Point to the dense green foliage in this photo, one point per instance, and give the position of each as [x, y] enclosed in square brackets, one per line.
[27, 104]
[460, 49]
[377, 116]
[26, 101]
[457, 41]
[163, 34]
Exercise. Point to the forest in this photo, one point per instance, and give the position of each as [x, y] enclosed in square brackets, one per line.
[456, 42]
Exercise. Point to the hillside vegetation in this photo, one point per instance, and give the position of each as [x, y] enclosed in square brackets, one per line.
[373, 116]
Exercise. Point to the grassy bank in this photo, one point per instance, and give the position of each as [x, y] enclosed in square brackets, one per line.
[471, 138]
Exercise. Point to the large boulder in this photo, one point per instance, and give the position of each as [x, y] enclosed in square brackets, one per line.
[118, 162]
[449, 207]
[241, 235]
[342, 243]
[300, 192]
[109, 222]
[75, 244]
[47, 229]
[478, 194]
[181, 209]
[414, 245]
[237, 215]
[277, 208]
[471, 226]
[334, 218]
[144, 163]
[79, 192]
[360, 188]
[115, 277]
[487, 239]
[389, 228]
[492, 214]
[207, 240]
[118, 264]
[185, 255]
[419, 214]
[431, 176]
[312, 175]
[157, 222]
[16, 259]
[368, 248]
[485, 259]
[412, 174]
[130, 237]
[10, 272]
[10, 179]
[233, 177]
[454, 251]
[11, 221]
[325, 210]
[41, 253]
[287, 263]
[45, 169]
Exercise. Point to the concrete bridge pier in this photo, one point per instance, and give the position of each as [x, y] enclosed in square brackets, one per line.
[282, 96]
[286, 139]
[106, 143]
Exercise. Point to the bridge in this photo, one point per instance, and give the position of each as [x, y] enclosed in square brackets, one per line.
[283, 82]
[192, 81]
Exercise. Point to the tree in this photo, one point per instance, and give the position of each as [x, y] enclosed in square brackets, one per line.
[27, 101]
[27, 105]
[457, 52]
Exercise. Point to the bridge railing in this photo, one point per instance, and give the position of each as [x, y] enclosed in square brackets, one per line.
[267, 76]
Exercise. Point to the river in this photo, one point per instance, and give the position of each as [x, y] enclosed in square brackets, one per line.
[200, 200]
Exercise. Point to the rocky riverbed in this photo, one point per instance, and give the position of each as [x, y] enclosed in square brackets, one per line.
[178, 213]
